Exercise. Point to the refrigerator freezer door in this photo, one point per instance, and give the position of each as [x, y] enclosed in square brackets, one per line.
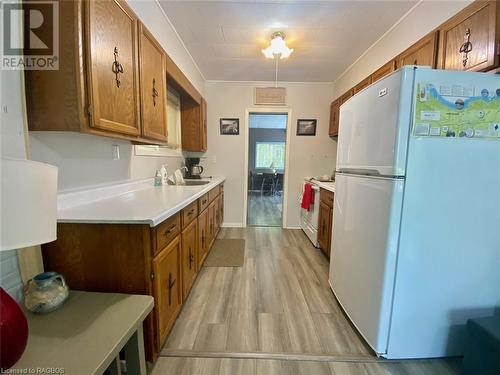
[363, 255]
[374, 126]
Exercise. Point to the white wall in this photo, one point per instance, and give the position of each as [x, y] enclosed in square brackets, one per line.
[418, 22]
[153, 16]
[308, 155]
[86, 160]
[12, 145]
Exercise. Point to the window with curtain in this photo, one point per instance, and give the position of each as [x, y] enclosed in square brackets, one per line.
[270, 155]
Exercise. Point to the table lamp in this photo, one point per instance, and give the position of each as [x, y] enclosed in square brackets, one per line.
[28, 204]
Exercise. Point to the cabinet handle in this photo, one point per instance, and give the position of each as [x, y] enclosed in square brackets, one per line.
[117, 68]
[171, 283]
[191, 211]
[204, 201]
[191, 258]
[170, 230]
[466, 47]
[155, 93]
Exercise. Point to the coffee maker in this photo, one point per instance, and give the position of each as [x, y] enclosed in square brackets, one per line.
[193, 168]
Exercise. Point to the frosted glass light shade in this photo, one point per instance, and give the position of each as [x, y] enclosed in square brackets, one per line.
[28, 203]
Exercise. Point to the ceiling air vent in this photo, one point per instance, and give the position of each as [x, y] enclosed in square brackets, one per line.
[270, 96]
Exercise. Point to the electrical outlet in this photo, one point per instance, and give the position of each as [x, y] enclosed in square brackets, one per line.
[116, 152]
[214, 159]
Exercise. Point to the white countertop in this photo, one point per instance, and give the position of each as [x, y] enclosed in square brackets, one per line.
[133, 203]
[330, 186]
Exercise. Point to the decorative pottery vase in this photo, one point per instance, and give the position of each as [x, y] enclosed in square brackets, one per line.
[13, 331]
[45, 292]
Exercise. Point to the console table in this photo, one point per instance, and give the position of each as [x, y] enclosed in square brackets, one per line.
[86, 335]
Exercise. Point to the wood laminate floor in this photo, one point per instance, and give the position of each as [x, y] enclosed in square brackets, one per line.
[265, 210]
[277, 312]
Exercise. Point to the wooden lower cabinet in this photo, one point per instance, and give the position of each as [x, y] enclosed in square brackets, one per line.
[211, 224]
[167, 288]
[134, 258]
[202, 237]
[188, 261]
[221, 209]
[325, 221]
[324, 229]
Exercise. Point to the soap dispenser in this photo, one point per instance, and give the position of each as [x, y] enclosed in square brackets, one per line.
[164, 175]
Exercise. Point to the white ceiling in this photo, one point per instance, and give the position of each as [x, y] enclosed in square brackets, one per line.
[225, 38]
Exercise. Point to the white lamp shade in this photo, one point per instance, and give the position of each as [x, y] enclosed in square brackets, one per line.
[28, 203]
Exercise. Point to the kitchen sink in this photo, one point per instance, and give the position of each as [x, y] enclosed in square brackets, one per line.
[196, 182]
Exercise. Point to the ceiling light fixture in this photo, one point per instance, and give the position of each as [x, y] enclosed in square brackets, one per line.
[278, 47]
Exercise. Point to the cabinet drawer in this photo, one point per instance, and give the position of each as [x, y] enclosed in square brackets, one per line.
[212, 194]
[189, 213]
[203, 202]
[326, 197]
[166, 232]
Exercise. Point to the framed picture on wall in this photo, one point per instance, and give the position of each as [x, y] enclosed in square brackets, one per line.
[229, 126]
[306, 127]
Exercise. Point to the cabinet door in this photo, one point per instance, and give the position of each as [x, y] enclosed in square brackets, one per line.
[424, 52]
[202, 237]
[112, 66]
[193, 123]
[360, 86]
[189, 250]
[153, 87]
[211, 224]
[167, 289]
[383, 71]
[468, 40]
[221, 209]
[323, 227]
[217, 214]
[204, 144]
[333, 130]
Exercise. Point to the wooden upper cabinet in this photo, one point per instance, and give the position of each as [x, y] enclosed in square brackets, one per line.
[469, 40]
[194, 125]
[112, 63]
[384, 70]
[423, 52]
[360, 86]
[203, 134]
[333, 129]
[153, 86]
[346, 96]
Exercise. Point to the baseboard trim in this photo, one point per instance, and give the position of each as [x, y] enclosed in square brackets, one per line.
[293, 228]
[314, 357]
[232, 225]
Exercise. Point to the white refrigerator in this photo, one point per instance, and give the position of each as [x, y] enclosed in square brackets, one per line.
[416, 232]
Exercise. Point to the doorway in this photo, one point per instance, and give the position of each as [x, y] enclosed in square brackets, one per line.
[267, 139]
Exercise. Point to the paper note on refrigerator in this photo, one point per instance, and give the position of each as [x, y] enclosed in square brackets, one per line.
[455, 112]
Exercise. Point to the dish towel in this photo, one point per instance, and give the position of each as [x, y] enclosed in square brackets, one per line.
[307, 197]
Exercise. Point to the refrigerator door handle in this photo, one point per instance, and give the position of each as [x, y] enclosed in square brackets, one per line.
[363, 171]
[367, 173]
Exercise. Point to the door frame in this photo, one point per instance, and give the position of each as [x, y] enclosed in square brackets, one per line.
[279, 110]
